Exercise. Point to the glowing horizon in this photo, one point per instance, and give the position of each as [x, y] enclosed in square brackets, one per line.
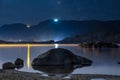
[34, 45]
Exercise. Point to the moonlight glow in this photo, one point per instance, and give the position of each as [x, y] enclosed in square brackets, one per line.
[28, 26]
[56, 45]
[56, 20]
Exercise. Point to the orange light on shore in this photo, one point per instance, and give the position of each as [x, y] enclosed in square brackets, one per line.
[34, 45]
[13, 45]
[28, 56]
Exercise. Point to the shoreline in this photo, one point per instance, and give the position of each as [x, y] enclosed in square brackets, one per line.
[19, 75]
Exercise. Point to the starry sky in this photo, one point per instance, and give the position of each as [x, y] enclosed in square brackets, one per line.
[34, 11]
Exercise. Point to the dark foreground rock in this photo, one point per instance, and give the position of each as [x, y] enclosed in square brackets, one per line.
[60, 57]
[19, 63]
[17, 75]
[8, 66]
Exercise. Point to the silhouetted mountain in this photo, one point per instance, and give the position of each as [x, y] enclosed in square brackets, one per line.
[1, 41]
[93, 37]
[49, 30]
[14, 31]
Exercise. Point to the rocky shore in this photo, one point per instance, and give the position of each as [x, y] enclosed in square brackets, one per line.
[57, 64]
[17, 75]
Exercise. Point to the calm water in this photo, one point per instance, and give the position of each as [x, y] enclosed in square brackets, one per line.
[104, 60]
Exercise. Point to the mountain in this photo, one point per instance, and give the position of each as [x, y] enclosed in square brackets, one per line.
[50, 30]
[93, 37]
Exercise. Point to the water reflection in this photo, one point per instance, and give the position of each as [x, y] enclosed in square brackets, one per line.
[104, 60]
[97, 51]
[54, 69]
[28, 56]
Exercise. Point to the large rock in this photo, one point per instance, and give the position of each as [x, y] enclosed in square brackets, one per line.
[8, 66]
[19, 63]
[60, 57]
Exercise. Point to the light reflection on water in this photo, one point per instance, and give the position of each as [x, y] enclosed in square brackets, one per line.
[28, 56]
[104, 60]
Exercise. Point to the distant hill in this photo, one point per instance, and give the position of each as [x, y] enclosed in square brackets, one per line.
[49, 30]
[93, 37]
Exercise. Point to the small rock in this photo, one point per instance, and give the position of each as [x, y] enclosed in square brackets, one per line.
[19, 63]
[8, 66]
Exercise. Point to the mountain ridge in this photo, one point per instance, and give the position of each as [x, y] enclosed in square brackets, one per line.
[49, 30]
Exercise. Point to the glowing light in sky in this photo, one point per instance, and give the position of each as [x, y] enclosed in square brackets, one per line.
[28, 56]
[56, 45]
[56, 20]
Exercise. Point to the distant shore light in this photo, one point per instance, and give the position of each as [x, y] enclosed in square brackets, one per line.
[56, 45]
[56, 20]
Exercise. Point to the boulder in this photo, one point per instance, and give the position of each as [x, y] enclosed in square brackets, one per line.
[19, 63]
[8, 66]
[60, 57]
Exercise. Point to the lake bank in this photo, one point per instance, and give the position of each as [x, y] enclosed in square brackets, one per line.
[104, 60]
[18, 75]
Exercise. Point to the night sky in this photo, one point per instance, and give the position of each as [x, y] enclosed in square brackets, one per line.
[34, 11]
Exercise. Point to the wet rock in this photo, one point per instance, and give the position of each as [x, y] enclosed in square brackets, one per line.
[60, 57]
[8, 66]
[19, 63]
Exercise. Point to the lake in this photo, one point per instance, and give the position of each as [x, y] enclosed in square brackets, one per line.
[104, 60]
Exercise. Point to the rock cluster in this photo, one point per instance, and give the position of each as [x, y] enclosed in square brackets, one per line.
[19, 63]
